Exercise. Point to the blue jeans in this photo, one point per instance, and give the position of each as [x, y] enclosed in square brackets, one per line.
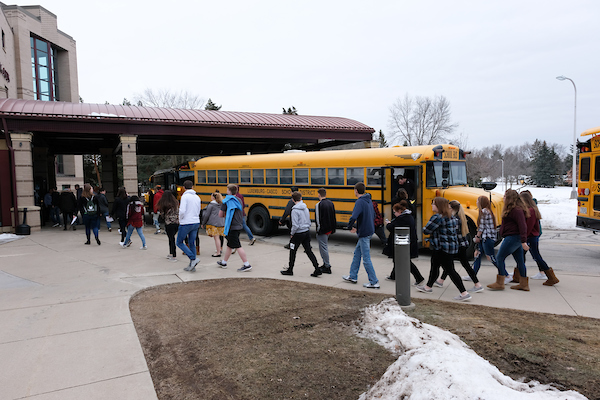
[534, 248]
[55, 214]
[363, 250]
[91, 223]
[247, 229]
[486, 248]
[511, 245]
[190, 231]
[140, 233]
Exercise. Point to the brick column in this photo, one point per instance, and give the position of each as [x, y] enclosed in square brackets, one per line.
[21, 143]
[129, 153]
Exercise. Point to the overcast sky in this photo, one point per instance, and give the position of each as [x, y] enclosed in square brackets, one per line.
[495, 61]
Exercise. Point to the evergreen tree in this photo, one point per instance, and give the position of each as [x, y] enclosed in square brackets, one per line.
[545, 165]
[382, 141]
[210, 106]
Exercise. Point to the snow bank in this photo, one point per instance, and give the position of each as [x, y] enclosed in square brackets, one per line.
[9, 237]
[436, 364]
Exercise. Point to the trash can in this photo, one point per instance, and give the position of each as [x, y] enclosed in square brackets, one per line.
[402, 266]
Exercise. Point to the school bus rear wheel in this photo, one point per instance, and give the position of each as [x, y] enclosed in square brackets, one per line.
[259, 221]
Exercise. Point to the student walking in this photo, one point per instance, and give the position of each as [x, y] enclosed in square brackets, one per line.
[68, 207]
[286, 213]
[119, 211]
[533, 238]
[378, 223]
[214, 224]
[326, 224]
[246, 228]
[463, 245]
[300, 235]
[155, 210]
[135, 220]
[89, 207]
[486, 234]
[363, 215]
[231, 210]
[169, 208]
[443, 241]
[103, 202]
[189, 223]
[514, 232]
[403, 218]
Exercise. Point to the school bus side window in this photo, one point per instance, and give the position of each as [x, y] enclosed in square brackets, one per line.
[317, 176]
[245, 176]
[222, 176]
[271, 176]
[285, 176]
[233, 176]
[374, 176]
[597, 169]
[201, 177]
[354, 175]
[258, 176]
[302, 176]
[336, 176]
[211, 176]
[585, 169]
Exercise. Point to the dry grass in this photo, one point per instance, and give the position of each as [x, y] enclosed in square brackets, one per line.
[270, 339]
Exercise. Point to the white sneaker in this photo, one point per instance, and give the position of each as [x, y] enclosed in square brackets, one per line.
[460, 297]
[144, 248]
[539, 276]
[121, 244]
[438, 284]
[466, 278]
[508, 279]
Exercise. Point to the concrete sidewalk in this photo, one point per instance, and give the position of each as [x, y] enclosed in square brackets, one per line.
[66, 328]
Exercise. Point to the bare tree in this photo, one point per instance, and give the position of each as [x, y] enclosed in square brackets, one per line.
[421, 121]
[168, 99]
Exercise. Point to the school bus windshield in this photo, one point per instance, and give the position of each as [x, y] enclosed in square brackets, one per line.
[457, 173]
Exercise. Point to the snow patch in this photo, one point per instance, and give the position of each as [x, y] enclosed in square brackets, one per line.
[436, 364]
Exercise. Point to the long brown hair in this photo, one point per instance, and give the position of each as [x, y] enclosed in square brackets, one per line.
[460, 213]
[484, 202]
[442, 206]
[512, 201]
[87, 191]
[528, 200]
[167, 202]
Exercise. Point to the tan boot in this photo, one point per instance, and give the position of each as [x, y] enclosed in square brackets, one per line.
[516, 276]
[499, 285]
[523, 284]
[552, 279]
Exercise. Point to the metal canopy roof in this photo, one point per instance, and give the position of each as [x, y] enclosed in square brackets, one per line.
[81, 128]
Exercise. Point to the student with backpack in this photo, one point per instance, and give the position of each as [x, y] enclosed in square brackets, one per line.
[90, 212]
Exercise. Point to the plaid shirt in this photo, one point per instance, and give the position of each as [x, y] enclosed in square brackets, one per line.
[443, 233]
[486, 228]
[462, 241]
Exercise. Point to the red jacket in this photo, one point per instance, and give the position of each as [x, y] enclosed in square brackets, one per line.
[135, 214]
[533, 224]
[155, 200]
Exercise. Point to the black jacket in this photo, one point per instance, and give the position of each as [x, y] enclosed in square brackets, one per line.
[403, 220]
[68, 202]
[119, 209]
[325, 217]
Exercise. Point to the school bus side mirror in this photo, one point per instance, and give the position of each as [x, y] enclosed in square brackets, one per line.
[445, 170]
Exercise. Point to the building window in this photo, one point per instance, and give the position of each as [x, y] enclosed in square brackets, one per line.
[60, 164]
[42, 70]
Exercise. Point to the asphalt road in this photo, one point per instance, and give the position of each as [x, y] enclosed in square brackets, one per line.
[573, 251]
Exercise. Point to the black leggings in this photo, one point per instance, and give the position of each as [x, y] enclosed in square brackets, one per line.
[413, 270]
[445, 260]
[303, 239]
[171, 230]
[462, 257]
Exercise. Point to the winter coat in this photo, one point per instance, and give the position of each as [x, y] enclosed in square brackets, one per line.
[135, 214]
[103, 203]
[119, 209]
[300, 218]
[407, 220]
[189, 208]
[68, 202]
[210, 215]
[155, 200]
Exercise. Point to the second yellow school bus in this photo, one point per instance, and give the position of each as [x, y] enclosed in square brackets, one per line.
[265, 180]
[588, 188]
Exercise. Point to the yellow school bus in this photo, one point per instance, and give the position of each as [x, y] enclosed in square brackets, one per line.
[265, 181]
[588, 188]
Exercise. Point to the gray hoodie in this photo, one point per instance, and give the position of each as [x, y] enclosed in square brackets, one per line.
[300, 218]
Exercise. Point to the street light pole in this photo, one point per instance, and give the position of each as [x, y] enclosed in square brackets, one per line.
[574, 170]
[503, 180]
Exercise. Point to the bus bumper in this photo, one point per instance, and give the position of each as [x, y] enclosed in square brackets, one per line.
[588, 223]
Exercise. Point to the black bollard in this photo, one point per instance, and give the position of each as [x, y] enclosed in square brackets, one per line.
[402, 266]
